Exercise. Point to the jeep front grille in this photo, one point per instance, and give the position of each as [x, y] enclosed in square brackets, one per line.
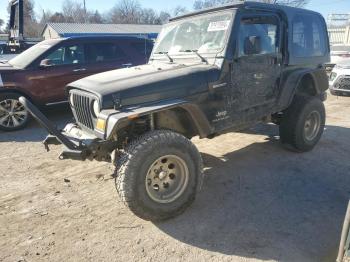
[82, 110]
[343, 83]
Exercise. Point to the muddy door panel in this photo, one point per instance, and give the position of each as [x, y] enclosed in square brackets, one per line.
[256, 70]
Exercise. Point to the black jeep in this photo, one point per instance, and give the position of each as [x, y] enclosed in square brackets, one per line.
[213, 71]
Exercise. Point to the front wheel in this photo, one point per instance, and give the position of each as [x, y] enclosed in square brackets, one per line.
[303, 123]
[158, 175]
[13, 115]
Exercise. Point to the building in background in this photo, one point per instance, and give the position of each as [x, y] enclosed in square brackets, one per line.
[339, 29]
[56, 30]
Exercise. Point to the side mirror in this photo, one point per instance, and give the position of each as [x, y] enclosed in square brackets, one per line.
[252, 45]
[45, 63]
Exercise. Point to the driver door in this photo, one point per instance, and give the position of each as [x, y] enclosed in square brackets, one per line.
[256, 71]
[60, 67]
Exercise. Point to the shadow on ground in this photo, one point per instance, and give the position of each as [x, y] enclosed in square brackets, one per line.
[267, 203]
[60, 115]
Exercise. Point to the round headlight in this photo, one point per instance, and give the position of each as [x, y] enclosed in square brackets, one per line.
[96, 108]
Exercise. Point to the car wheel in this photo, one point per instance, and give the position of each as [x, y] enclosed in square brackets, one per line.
[158, 175]
[303, 123]
[13, 115]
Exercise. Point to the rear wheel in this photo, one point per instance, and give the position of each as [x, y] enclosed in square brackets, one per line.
[158, 175]
[303, 123]
[13, 115]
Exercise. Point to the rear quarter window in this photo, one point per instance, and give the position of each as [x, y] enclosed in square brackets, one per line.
[308, 36]
[101, 52]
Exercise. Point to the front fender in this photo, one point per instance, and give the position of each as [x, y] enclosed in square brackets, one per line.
[115, 118]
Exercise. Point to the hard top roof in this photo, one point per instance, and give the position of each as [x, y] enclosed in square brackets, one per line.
[247, 5]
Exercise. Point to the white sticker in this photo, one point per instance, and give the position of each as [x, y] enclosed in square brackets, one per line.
[219, 26]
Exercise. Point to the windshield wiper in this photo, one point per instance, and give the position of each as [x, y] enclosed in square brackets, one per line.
[167, 55]
[204, 60]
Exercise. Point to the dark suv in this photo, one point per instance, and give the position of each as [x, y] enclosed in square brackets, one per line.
[42, 72]
[211, 72]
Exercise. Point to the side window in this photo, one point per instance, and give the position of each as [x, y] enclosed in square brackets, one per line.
[67, 55]
[101, 52]
[258, 35]
[142, 47]
[308, 36]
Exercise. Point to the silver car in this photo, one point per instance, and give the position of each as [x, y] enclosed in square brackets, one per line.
[339, 80]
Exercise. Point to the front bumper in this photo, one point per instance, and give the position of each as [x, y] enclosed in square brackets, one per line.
[79, 145]
[341, 85]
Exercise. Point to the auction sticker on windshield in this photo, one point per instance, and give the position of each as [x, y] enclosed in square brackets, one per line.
[218, 26]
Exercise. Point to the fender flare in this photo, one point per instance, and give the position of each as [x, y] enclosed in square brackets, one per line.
[115, 118]
[292, 81]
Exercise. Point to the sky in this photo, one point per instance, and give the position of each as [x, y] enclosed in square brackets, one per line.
[323, 6]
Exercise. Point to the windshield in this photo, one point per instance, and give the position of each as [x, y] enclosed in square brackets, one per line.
[205, 34]
[27, 57]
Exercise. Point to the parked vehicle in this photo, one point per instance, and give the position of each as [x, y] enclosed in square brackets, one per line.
[340, 54]
[42, 72]
[339, 80]
[211, 72]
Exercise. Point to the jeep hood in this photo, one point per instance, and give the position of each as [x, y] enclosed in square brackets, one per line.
[147, 83]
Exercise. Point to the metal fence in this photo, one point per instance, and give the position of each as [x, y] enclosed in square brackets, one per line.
[339, 35]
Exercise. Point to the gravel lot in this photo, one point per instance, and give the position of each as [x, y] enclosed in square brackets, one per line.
[259, 202]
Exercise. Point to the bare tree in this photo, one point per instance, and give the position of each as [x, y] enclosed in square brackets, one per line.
[126, 12]
[179, 10]
[163, 17]
[1, 24]
[53, 18]
[95, 18]
[74, 12]
[148, 16]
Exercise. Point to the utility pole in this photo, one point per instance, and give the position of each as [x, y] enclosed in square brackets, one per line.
[85, 12]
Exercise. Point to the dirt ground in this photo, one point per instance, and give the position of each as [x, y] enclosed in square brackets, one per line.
[259, 202]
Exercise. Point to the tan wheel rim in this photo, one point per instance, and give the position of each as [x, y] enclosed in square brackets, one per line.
[167, 179]
[312, 125]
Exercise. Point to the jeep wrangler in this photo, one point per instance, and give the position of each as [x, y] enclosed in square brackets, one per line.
[214, 71]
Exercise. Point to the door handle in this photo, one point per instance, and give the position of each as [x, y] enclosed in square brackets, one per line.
[79, 70]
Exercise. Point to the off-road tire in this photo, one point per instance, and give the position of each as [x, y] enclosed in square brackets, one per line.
[14, 96]
[134, 163]
[292, 133]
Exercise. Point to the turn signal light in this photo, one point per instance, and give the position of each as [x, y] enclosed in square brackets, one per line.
[101, 124]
